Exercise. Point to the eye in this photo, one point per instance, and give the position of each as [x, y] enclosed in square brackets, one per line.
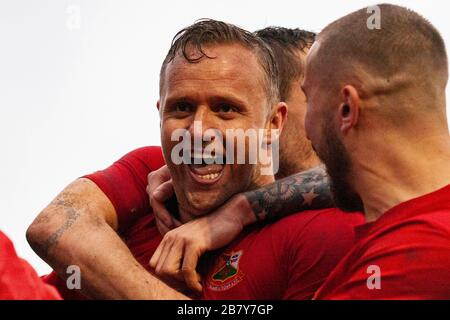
[225, 108]
[183, 107]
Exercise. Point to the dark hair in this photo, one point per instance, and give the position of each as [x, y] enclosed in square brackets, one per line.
[208, 31]
[286, 44]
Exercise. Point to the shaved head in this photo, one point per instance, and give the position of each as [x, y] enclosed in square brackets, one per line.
[371, 90]
[406, 54]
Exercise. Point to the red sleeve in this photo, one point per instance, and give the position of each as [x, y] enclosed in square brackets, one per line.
[316, 249]
[125, 183]
[413, 263]
[18, 280]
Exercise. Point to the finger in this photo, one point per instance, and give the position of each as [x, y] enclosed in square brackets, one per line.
[159, 176]
[164, 253]
[163, 192]
[162, 228]
[163, 215]
[165, 172]
[176, 223]
[156, 179]
[157, 254]
[191, 277]
[172, 263]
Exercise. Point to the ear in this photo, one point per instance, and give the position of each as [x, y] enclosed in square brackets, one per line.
[278, 119]
[348, 112]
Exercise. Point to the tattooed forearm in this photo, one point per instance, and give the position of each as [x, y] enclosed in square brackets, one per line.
[307, 190]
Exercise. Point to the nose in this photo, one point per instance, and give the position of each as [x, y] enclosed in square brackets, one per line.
[202, 120]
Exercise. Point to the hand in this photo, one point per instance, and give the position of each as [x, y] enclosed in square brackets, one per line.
[159, 190]
[178, 253]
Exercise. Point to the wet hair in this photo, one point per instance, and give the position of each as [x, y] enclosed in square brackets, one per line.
[287, 45]
[189, 44]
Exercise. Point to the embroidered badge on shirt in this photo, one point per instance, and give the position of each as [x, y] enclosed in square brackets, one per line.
[227, 273]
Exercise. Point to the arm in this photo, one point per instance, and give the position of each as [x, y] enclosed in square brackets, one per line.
[308, 190]
[303, 191]
[79, 228]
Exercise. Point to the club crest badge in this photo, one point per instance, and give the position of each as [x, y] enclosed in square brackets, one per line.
[226, 274]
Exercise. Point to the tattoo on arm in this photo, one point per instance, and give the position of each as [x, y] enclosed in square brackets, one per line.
[307, 190]
[71, 216]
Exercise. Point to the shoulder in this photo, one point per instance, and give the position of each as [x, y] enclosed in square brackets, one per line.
[150, 156]
[438, 220]
[129, 172]
[414, 253]
[416, 248]
[416, 231]
[124, 183]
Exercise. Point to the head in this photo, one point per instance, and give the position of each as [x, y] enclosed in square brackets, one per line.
[365, 85]
[290, 47]
[215, 79]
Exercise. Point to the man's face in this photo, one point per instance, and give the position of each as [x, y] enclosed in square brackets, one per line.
[322, 129]
[226, 92]
[295, 148]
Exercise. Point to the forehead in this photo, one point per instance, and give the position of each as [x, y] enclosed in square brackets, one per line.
[310, 60]
[233, 67]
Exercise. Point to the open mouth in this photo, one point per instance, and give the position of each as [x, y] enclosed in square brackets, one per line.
[206, 170]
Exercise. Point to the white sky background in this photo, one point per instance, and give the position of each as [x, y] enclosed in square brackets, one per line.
[73, 100]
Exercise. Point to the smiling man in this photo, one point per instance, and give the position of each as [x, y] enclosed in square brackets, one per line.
[290, 195]
[233, 90]
[226, 79]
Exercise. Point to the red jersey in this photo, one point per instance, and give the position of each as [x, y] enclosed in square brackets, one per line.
[407, 248]
[288, 259]
[18, 280]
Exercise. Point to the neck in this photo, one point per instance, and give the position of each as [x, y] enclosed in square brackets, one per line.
[399, 170]
[261, 181]
[263, 174]
[302, 164]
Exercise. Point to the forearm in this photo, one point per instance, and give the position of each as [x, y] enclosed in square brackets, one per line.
[308, 190]
[64, 236]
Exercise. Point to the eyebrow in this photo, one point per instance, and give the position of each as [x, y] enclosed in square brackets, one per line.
[230, 99]
[215, 98]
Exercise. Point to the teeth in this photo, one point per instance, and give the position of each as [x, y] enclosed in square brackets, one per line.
[209, 176]
[199, 157]
[208, 160]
